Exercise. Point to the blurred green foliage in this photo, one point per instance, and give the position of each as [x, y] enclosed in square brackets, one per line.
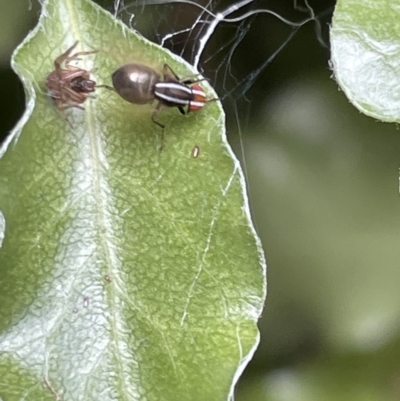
[323, 183]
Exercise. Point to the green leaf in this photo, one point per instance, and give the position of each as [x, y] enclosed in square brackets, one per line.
[126, 272]
[366, 55]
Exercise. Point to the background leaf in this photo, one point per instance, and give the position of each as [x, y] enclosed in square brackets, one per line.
[366, 55]
[126, 272]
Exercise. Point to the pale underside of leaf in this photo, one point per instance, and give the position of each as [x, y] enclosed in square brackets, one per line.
[365, 55]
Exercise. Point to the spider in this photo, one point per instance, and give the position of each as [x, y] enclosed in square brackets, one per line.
[68, 85]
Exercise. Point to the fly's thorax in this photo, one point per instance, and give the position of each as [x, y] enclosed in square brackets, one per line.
[173, 93]
[199, 98]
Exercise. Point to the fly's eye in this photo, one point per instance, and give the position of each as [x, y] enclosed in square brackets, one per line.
[199, 98]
